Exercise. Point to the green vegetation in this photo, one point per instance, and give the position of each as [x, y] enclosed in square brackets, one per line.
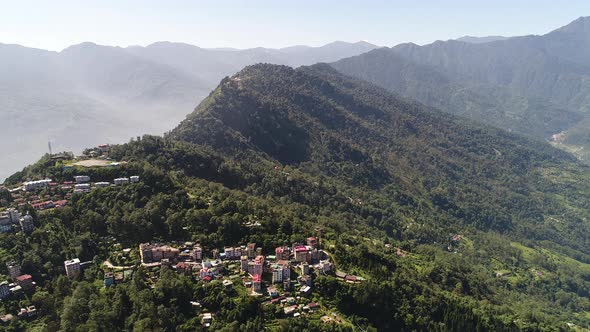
[455, 226]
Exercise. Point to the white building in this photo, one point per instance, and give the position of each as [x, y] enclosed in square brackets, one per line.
[277, 275]
[134, 178]
[33, 185]
[26, 223]
[101, 184]
[81, 178]
[121, 181]
[82, 186]
[72, 267]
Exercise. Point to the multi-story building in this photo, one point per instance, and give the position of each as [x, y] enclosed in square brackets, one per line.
[13, 215]
[72, 267]
[26, 223]
[121, 181]
[282, 253]
[304, 268]
[256, 283]
[277, 274]
[232, 253]
[13, 269]
[5, 224]
[251, 250]
[197, 253]
[81, 178]
[301, 254]
[4, 289]
[154, 253]
[286, 284]
[33, 185]
[244, 263]
[255, 267]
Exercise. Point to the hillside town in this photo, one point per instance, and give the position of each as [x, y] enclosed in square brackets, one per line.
[281, 276]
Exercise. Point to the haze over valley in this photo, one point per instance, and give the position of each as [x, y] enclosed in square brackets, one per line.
[91, 94]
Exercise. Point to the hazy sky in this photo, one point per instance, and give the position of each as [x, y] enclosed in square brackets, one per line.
[56, 24]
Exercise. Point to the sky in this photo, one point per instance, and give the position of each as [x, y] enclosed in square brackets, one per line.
[56, 24]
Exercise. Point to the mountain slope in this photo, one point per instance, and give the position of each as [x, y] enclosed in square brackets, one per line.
[486, 103]
[318, 120]
[535, 85]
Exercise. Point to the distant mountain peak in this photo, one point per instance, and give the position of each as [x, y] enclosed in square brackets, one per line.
[480, 40]
[579, 25]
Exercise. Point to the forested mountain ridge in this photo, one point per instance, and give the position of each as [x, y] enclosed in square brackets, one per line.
[533, 85]
[455, 226]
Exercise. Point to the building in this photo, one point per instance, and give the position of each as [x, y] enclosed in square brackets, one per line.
[104, 148]
[72, 267]
[121, 181]
[325, 266]
[183, 268]
[34, 185]
[155, 253]
[277, 274]
[301, 254]
[13, 269]
[255, 267]
[287, 284]
[244, 264]
[84, 187]
[4, 289]
[304, 268]
[251, 250]
[282, 253]
[256, 283]
[134, 179]
[109, 279]
[101, 184]
[26, 282]
[5, 224]
[13, 215]
[26, 223]
[197, 253]
[81, 178]
[232, 253]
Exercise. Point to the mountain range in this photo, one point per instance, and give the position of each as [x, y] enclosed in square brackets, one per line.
[89, 94]
[532, 85]
[453, 224]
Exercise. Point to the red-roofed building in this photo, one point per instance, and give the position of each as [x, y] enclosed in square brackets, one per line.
[256, 282]
[26, 282]
[61, 203]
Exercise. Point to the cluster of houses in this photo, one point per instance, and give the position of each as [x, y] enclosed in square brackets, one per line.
[11, 220]
[21, 283]
[56, 194]
[289, 266]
